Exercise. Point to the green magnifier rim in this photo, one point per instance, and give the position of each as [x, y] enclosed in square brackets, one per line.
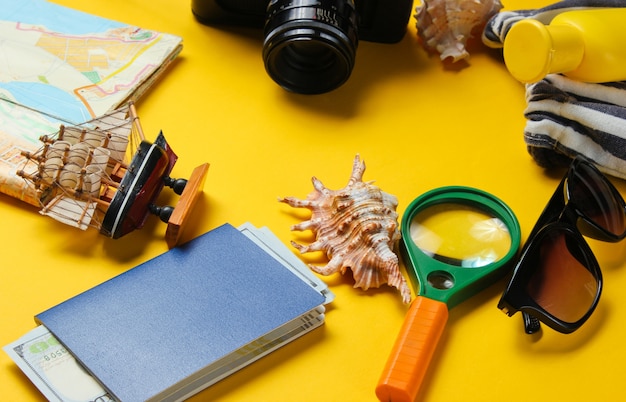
[466, 281]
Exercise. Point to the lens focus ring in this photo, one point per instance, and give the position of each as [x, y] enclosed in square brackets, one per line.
[310, 45]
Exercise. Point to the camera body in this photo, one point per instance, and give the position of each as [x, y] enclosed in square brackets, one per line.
[382, 21]
[310, 45]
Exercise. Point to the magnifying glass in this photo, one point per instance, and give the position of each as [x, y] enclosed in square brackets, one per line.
[456, 241]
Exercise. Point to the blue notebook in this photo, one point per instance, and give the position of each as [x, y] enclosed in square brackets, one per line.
[185, 319]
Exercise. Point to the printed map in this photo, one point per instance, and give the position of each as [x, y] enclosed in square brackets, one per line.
[61, 66]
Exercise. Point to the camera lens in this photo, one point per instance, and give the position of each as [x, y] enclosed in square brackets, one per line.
[310, 45]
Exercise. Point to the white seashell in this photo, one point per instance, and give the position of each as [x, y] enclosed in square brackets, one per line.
[357, 228]
[445, 25]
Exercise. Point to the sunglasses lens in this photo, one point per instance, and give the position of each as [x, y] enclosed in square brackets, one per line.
[596, 198]
[562, 283]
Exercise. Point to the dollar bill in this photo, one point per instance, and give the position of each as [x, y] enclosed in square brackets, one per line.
[53, 369]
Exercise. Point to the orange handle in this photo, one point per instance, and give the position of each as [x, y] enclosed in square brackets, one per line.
[413, 350]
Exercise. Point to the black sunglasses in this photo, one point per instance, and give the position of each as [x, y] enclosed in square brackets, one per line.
[557, 279]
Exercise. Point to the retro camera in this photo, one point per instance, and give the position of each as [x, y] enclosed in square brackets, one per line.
[309, 46]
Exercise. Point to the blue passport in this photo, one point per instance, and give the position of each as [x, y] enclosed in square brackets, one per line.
[186, 318]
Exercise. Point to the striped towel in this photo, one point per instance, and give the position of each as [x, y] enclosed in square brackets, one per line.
[566, 117]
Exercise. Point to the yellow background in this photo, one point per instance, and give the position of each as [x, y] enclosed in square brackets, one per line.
[417, 125]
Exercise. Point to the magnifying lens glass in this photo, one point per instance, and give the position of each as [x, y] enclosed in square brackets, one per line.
[456, 241]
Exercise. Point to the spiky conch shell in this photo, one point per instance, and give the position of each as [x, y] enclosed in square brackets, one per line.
[357, 228]
[445, 25]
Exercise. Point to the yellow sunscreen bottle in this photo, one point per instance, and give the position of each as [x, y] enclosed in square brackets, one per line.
[585, 45]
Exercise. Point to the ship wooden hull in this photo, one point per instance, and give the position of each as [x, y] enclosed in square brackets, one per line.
[139, 188]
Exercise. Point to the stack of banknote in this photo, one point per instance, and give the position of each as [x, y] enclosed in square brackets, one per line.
[53, 369]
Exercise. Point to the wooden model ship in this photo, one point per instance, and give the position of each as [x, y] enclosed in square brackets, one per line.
[104, 174]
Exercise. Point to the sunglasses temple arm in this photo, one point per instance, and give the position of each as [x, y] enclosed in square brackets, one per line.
[550, 213]
[531, 324]
[552, 210]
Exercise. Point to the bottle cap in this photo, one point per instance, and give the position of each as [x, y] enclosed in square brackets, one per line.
[532, 50]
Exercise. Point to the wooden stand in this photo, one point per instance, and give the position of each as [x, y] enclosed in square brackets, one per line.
[188, 198]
